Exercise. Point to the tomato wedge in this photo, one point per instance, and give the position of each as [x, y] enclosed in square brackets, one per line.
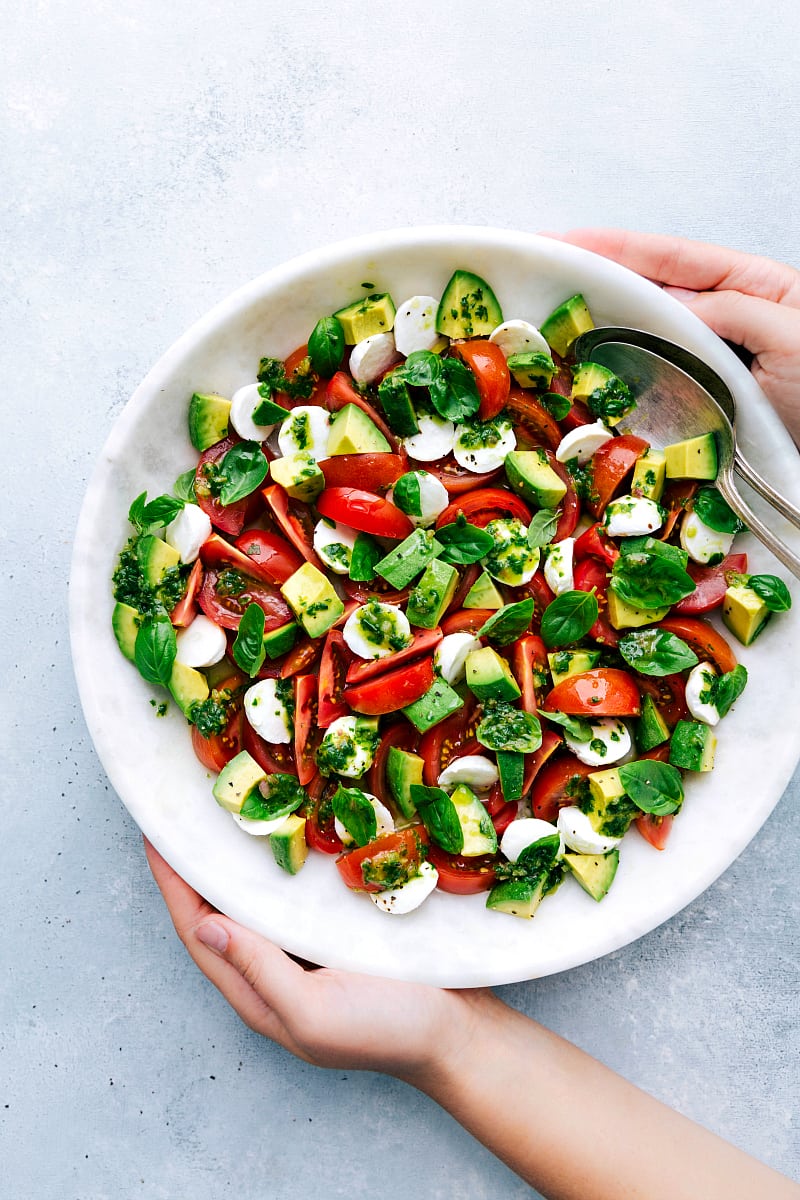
[533, 423]
[466, 620]
[488, 364]
[588, 574]
[290, 366]
[215, 751]
[711, 584]
[703, 639]
[306, 727]
[272, 553]
[402, 847]
[485, 505]
[441, 742]
[391, 691]
[332, 674]
[340, 392]
[320, 828]
[421, 643]
[655, 830]
[375, 472]
[578, 415]
[551, 741]
[668, 693]
[609, 467]
[595, 543]
[677, 495]
[185, 610]
[364, 511]
[378, 589]
[529, 665]
[229, 518]
[463, 876]
[294, 520]
[556, 785]
[570, 504]
[272, 757]
[457, 479]
[301, 657]
[542, 594]
[601, 692]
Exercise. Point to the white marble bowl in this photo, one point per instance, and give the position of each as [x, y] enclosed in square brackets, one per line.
[451, 940]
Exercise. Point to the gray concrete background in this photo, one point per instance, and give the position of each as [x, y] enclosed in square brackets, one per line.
[155, 157]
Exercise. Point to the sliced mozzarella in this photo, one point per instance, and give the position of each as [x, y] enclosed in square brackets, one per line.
[701, 542]
[558, 566]
[699, 693]
[375, 630]
[475, 770]
[580, 835]
[433, 499]
[415, 325]
[201, 644]
[511, 560]
[519, 337]
[258, 828]
[188, 531]
[523, 833]
[434, 440]
[305, 431]
[450, 656]
[343, 734]
[610, 742]
[334, 544]
[405, 899]
[244, 403]
[583, 442]
[383, 818]
[370, 358]
[480, 456]
[266, 712]
[632, 516]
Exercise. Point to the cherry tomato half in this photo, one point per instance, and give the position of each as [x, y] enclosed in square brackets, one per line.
[375, 472]
[226, 592]
[307, 733]
[533, 423]
[320, 827]
[294, 521]
[332, 674]
[595, 543]
[703, 639]
[364, 511]
[276, 758]
[485, 505]
[488, 364]
[556, 785]
[601, 692]
[609, 467]
[711, 585]
[185, 610]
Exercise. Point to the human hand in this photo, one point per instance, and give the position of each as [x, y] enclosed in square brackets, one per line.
[751, 301]
[326, 1017]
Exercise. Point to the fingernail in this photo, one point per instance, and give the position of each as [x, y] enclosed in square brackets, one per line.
[213, 935]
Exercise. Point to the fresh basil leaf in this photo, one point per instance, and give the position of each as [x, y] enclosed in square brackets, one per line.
[508, 623]
[715, 512]
[653, 786]
[354, 809]
[454, 394]
[772, 590]
[161, 511]
[505, 728]
[568, 618]
[728, 688]
[463, 543]
[241, 470]
[542, 527]
[248, 648]
[650, 580]
[267, 412]
[421, 368]
[656, 652]
[557, 405]
[282, 795]
[439, 816]
[155, 649]
[326, 346]
[136, 510]
[406, 494]
[539, 857]
[579, 729]
[184, 486]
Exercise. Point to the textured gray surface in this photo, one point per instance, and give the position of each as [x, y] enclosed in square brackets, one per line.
[156, 157]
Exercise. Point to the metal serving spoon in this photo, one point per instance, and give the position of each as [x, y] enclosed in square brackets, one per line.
[678, 396]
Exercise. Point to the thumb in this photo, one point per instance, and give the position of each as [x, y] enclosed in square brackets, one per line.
[762, 326]
[270, 973]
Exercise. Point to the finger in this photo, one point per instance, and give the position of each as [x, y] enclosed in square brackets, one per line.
[699, 266]
[761, 326]
[270, 973]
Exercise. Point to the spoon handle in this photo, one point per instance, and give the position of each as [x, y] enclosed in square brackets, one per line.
[760, 485]
[754, 523]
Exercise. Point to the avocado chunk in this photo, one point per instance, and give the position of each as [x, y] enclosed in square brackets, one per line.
[299, 475]
[430, 598]
[208, 419]
[402, 770]
[517, 897]
[608, 808]
[644, 544]
[237, 780]
[511, 768]
[743, 612]
[439, 702]
[649, 475]
[531, 476]
[566, 323]
[409, 559]
[564, 663]
[279, 641]
[483, 594]
[288, 844]
[155, 557]
[650, 729]
[626, 616]
[489, 676]
[594, 872]
[352, 432]
[188, 687]
[532, 369]
[398, 409]
[468, 307]
[312, 599]
[365, 317]
[604, 393]
[476, 824]
[692, 746]
[125, 622]
[605, 786]
[694, 458]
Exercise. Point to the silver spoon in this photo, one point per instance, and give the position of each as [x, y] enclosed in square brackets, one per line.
[677, 397]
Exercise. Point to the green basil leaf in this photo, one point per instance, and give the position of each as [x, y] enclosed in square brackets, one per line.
[728, 688]
[463, 543]
[283, 796]
[557, 405]
[155, 649]
[715, 512]
[406, 494]
[540, 857]
[578, 728]
[653, 786]
[505, 728]
[656, 652]
[248, 648]
[421, 368]
[454, 394]
[326, 346]
[508, 623]
[772, 590]
[354, 810]
[542, 527]
[241, 471]
[568, 618]
[267, 412]
[136, 510]
[650, 580]
[184, 486]
[160, 512]
[366, 553]
[439, 816]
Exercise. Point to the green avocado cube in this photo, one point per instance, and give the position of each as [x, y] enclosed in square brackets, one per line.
[438, 702]
[694, 458]
[288, 844]
[366, 316]
[237, 780]
[744, 613]
[489, 676]
[428, 601]
[208, 419]
[566, 324]
[410, 558]
[650, 475]
[299, 475]
[188, 687]
[594, 872]
[531, 476]
[352, 432]
[312, 599]
[564, 663]
[402, 770]
[483, 594]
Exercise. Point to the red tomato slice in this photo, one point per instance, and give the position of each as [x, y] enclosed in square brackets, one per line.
[270, 552]
[529, 665]
[272, 757]
[185, 610]
[595, 543]
[570, 505]
[533, 424]
[578, 415]
[588, 574]
[551, 741]
[226, 592]
[301, 657]
[463, 876]
[556, 784]
[677, 495]
[669, 694]
[601, 692]
[364, 511]
[711, 585]
[332, 673]
[542, 594]
[392, 691]
[467, 620]
[341, 392]
[405, 737]
[488, 364]
[485, 505]
[405, 843]
[375, 472]
[421, 643]
[230, 518]
[503, 818]
[561, 383]
[320, 828]
[655, 830]
[216, 552]
[294, 520]
[609, 467]
[378, 589]
[457, 479]
[306, 727]
[290, 365]
[441, 743]
[703, 639]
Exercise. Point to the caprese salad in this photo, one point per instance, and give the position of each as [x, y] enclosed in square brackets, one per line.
[428, 611]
